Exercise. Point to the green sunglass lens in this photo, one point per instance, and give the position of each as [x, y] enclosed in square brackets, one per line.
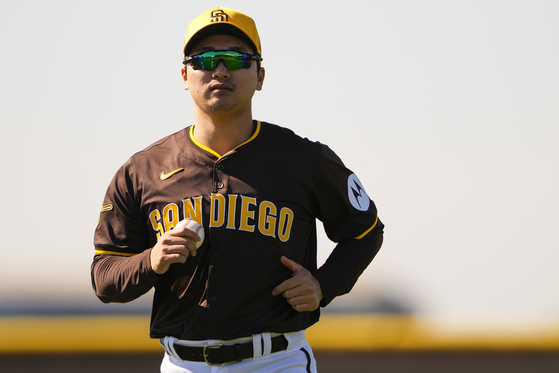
[236, 64]
[233, 60]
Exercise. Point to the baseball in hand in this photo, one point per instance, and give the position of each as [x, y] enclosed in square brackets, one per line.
[193, 226]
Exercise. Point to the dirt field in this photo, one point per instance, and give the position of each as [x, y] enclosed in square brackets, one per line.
[328, 362]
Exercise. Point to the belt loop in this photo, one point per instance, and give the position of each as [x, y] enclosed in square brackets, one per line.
[168, 344]
[267, 339]
[257, 345]
[238, 352]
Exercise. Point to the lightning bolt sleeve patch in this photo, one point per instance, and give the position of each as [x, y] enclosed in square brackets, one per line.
[357, 195]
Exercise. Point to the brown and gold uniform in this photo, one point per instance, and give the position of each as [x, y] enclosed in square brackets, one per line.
[256, 203]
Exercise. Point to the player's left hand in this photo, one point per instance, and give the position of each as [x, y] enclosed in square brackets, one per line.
[302, 290]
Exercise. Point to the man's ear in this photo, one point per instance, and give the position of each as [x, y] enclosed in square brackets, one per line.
[183, 73]
[260, 82]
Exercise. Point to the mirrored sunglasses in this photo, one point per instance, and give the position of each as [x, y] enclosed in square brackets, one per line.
[233, 60]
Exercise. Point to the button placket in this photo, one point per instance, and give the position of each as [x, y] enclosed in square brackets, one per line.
[217, 174]
[218, 181]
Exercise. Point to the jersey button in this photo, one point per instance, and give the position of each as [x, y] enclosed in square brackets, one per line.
[213, 298]
[217, 254]
[219, 185]
[220, 167]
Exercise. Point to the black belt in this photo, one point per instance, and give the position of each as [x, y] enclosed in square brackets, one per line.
[218, 354]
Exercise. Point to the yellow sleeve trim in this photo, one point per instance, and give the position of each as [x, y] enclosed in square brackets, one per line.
[216, 153]
[368, 230]
[103, 252]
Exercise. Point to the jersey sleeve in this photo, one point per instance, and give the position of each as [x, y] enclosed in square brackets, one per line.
[122, 226]
[343, 205]
[350, 218]
[121, 269]
[122, 279]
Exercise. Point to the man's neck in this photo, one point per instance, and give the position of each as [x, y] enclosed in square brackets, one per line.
[222, 134]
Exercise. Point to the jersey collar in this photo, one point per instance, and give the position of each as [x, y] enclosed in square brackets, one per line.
[191, 132]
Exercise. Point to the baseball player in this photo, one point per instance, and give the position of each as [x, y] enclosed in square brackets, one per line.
[241, 301]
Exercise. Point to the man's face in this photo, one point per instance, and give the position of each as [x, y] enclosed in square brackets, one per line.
[221, 91]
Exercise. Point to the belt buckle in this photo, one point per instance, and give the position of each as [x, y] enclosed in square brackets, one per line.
[205, 354]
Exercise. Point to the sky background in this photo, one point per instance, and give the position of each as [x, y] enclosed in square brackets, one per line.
[448, 111]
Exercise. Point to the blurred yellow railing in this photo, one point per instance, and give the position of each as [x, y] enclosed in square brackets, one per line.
[375, 332]
[334, 331]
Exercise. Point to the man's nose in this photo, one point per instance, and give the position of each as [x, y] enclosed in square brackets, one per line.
[221, 71]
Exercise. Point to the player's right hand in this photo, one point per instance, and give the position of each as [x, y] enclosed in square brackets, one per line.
[175, 246]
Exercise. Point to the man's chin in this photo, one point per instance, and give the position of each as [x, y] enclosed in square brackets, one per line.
[225, 108]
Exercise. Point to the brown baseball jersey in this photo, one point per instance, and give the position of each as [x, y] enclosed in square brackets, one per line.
[257, 203]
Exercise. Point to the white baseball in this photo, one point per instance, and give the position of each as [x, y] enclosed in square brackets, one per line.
[193, 226]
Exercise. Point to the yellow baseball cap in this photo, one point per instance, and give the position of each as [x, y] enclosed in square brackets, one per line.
[222, 21]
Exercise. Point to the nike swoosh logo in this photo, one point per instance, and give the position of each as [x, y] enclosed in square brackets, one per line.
[165, 176]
